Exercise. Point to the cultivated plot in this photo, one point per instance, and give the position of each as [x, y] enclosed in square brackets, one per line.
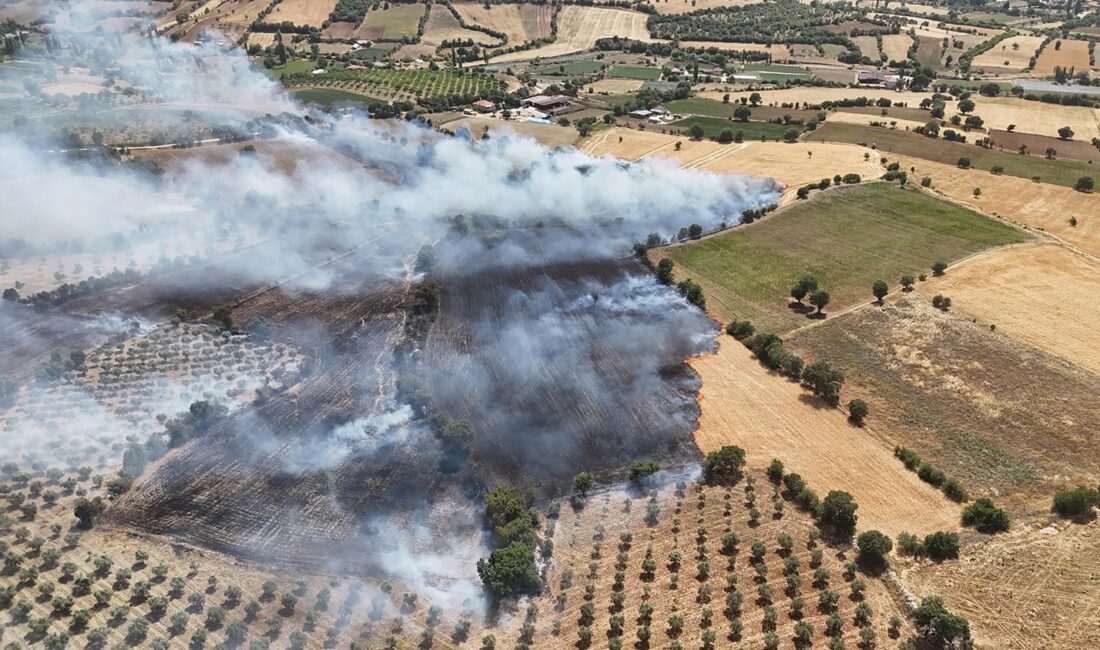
[312, 13]
[1065, 54]
[1012, 54]
[443, 26]
[512, 20]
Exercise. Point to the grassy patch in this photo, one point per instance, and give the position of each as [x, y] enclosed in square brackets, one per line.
[293, 66]
[712, 126]
[571, 69]
[635, 72]
[714, 108]
[846, 238]
[905, 143]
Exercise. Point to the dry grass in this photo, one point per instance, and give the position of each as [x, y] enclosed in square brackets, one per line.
[816, 95]
[1035, 587]
[263, 39]
[1034, 117]
[443, 26]
[896, 46]
[395, 23]
[770, 416]
[791, 164]
[246, 12]
[303, 12]
[508, 19]
[1071, 54]
[614, 86]
[1003, 418]
[580, 27]
[550, 135]
[1043, 294]
[1011, 54]
[1040, 206]
[846, 117]
[868, 46]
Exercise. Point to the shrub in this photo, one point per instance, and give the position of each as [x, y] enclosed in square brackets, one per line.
[942, 545]
[985, 517]
[775, 471]
[740, 329]
[910, 544]
[953, 490]
[1076, 502]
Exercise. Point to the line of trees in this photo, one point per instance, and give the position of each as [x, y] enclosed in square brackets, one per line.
[930, 474]
[510, 568]
[767, 347]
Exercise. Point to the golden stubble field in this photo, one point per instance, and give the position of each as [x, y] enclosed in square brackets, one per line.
[1065, 54]
[745, 404]
[792, 164]
[1042, 294]
[1011, 54]
[303, 12]
[520, 23]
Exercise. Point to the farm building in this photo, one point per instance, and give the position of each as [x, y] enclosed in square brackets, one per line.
[550, 104]
[483, 106]
[879, 78]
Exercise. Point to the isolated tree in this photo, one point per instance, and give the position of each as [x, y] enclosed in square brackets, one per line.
[819, 299]
[838, 511]
[1084, 184]
[966, 105]
[874, 546]
[941, 302]
[87, 510]
[582, 483]
[1065, 133]
[857, 410]
[696, 132]
[664, 270]
[938, 267]
[907, 282]
[725, 137]
[725, 464]
[755, 99]
[223, 316]
[742, 113]
[942, 545]
[880, 289]
[939, 626]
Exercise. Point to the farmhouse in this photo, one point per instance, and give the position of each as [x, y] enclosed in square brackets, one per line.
[550, 104]
[483, 106]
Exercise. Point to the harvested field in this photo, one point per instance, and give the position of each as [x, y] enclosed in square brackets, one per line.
[312, 13]
[512, 20]
[551, 135]
[339, 30]
[896, 46]
[1034, 587]
[996, 414]
[1065, 54]
[1028, 292]
[1038, 144]
[614, 86]
[682, 510]
[263, 39]
[843, 116]
[1035, 205]
[580, 27]
[891, 142]
[443, 26]
[745, 404]
[746, 273]
[778, 52]
[930, 51]
[816, 95]
[393, 24]
[1010, 55]
[791, 164]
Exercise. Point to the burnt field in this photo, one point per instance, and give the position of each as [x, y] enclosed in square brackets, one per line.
[556, 368]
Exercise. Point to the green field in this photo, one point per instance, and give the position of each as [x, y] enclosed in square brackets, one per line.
[329, 97]
[635, 72]
[1056, 172]
[292, 67]
[395, 23]
[846, 238]
[712, 126]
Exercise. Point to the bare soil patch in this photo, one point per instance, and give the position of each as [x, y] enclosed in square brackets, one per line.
[339, 30]
[1033, 587]
[1038, 144]
[770, 417]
